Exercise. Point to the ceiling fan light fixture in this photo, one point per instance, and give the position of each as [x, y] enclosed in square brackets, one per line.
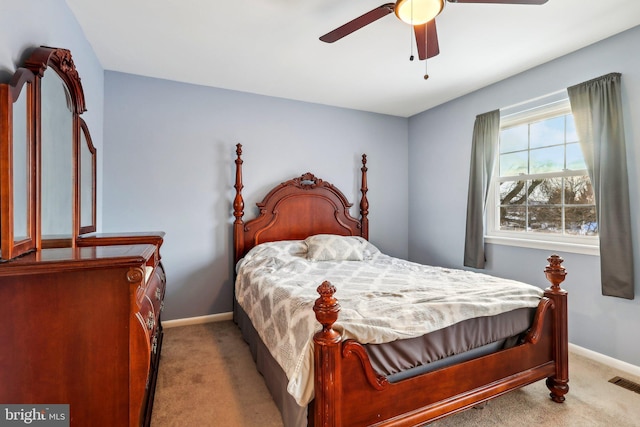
[418, 12]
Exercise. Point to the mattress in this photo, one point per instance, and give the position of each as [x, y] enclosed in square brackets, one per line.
[462, 341]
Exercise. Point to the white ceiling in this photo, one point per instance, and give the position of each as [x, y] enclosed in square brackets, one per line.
[271, 47]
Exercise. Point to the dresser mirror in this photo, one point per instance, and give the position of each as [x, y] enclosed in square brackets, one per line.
[20, 168]
[56, 154]
[48, 161]
[17, 160]
[87, 168]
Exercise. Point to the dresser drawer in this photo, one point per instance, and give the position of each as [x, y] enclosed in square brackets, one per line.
[155, 290]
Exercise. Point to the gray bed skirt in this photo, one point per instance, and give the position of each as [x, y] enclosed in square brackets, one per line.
[293, 415]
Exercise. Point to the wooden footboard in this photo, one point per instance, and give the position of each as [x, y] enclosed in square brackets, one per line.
[349, 393]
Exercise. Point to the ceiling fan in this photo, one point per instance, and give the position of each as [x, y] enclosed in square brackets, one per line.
[419, 13]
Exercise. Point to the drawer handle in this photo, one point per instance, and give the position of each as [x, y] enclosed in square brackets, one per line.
[154, 344]
[158, 294]
[161, 306]
[151, 320]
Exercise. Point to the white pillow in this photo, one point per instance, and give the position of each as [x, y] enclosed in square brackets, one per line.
[331, 247]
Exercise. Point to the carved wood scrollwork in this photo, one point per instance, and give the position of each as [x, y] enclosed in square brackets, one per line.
[353, 348]
[308, 181]
[66, 62]
[535, 332]
[60, 59]
[135, 276]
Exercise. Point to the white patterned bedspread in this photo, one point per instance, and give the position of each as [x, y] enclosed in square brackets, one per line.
[382, 299]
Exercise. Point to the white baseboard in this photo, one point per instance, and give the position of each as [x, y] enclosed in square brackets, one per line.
[605, 360]
[197, 320]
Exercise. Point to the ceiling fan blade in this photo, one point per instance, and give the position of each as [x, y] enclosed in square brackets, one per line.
[500, 1]
[427, 40]
[358, 23]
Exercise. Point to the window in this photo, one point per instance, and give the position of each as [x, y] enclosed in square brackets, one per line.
[541, 194]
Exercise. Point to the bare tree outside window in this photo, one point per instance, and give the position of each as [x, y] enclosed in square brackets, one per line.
[543, 185]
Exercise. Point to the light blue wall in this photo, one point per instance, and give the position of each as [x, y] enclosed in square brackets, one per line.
[169, 165]
[26, 24]
[439, 152]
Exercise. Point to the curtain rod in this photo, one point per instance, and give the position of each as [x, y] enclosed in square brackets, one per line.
[528, 101]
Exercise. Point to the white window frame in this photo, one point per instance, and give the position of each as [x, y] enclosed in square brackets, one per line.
[589, 245]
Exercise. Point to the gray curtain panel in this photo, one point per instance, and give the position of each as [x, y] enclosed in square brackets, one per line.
[597, 109]
[486, 132]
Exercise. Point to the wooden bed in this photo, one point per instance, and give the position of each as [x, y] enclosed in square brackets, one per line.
[348, 392]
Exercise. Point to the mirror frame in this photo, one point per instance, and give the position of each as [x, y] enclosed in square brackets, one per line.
[29, 79]
[91, 228]
[22, 83]
[60, 61]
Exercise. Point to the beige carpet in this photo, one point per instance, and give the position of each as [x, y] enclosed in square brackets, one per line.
[207, 378]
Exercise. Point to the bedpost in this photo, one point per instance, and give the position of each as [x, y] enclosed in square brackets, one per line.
[364, 202]
[559, 383]
[238, 208]
[327, 408]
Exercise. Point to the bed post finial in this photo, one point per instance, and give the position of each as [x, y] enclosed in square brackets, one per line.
[364, 202]
[238, 207]
[558, 384]
[326, 308]
[555, 272]
[327, 407]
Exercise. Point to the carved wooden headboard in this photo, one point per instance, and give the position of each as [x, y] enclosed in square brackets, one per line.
[297, 209]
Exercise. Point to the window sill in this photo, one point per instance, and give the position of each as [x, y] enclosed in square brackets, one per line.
[544, 244]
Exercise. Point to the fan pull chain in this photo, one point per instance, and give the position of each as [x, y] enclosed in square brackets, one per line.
[411, 34]
[411, 41]
[426, 46]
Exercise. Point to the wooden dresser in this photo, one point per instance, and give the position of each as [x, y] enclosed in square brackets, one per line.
[81, 326]
[79, 310]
